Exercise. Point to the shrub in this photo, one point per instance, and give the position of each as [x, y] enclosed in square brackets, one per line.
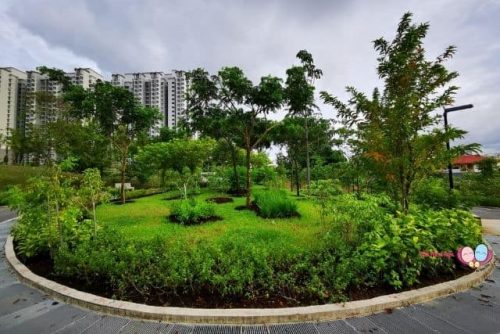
[192, 211]
[391, 250]
[262, 175]
[219, 180]
[275, 204]
[434, 193]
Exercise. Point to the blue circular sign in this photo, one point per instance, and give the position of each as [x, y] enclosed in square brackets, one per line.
[481, 252]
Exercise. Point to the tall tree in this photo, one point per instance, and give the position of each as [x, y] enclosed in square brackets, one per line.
[291, 135]
[398, 129]
[299, 92]
[208, 116]
[235, 104]
[183, 156]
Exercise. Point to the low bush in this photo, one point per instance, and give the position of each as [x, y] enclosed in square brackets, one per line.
[434, 193]
[192, 211]
[275, 204]
[262, 175]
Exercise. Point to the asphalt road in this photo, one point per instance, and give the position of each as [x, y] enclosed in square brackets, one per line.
[24, 310]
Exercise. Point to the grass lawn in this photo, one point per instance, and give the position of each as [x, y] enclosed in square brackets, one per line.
[147, 218]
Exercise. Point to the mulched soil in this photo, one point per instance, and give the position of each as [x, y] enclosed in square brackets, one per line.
[43, 266]
[173, 219]
[219, 200]
[253, 207]
[119, 202]
[235, 193]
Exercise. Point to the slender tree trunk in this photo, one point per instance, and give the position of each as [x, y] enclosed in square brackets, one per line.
[185, 190]
[297, 179]
[308, 162]
[248, 178]
[59, 226]
[49, 217]
[122, 178]
[235, 167]
[95, 220]
[162, 178]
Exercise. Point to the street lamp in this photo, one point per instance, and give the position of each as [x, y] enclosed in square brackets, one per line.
[445, 114]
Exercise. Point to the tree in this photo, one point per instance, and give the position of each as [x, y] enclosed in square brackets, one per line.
[299, 92]
[92, 190]
[185, 157]
[125, 134]
[207, 116]
[232, 102]
[291, 134]
[397, 129]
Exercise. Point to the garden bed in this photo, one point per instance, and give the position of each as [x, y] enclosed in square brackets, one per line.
[220, 200]
[44, 266]
[245, 260]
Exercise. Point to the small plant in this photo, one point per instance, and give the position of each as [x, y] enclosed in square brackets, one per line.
[275, 204]
[190, 212]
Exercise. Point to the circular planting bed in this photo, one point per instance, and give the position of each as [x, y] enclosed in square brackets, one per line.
[220, 200]
[246, 261]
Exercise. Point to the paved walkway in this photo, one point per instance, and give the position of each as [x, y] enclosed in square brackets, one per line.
[25, 310]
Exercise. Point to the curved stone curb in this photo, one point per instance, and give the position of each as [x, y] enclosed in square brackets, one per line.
[241, 316]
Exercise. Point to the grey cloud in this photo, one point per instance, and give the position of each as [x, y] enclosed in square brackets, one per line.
[263, 37]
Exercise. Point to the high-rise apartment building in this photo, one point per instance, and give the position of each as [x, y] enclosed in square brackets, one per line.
[164, 91]
[11, 100]
[19, 105]
[85, 77]
[22, 107]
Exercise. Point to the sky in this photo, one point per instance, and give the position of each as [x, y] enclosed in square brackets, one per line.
[262, 37]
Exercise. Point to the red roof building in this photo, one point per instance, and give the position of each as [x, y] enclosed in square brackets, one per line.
[468, 162]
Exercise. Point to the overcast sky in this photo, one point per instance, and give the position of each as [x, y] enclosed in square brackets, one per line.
[263, 38]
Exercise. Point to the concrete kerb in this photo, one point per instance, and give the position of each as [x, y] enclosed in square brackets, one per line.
[241, 316]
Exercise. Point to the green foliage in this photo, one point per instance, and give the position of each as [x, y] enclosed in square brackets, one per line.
[275, 204]
[397, 129]
[50, 216]
[189, 212]
[323, 193]
[434, 193]
[264, 174]
[237, 109]
[220, 179]
[364, 244]
[391, 250]
[478, 189]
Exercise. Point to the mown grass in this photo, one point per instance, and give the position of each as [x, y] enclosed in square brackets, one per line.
[147, 218]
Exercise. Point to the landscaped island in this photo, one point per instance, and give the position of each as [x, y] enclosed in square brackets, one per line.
[361, 249]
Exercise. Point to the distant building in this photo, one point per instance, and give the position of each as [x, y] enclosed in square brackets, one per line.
[19, 107]
[85, 77]
[164, 91]
[11, 99]
[468, 162]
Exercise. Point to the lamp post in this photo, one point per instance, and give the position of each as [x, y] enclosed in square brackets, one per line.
[445, 114]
